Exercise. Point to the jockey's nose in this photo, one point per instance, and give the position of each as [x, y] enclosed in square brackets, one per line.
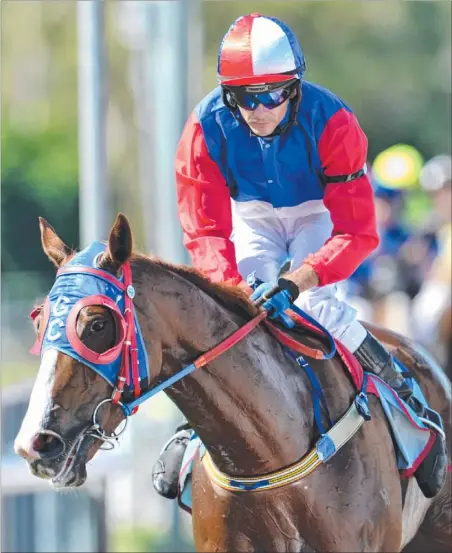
[40, 446]
[260, 110]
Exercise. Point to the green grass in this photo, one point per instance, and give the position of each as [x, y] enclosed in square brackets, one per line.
[127, 538]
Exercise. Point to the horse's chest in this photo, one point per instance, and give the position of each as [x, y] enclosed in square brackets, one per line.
[224, 521]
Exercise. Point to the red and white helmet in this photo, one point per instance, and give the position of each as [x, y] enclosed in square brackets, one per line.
[259, 49]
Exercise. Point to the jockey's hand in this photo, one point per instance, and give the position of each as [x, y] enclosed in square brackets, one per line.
[281, 301]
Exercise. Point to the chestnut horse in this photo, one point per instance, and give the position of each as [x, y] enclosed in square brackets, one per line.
[252, 408]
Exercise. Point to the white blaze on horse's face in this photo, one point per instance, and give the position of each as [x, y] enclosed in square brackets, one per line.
[39, 405]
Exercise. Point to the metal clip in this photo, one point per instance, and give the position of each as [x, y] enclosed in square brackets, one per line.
[251, 279]
[362, 406]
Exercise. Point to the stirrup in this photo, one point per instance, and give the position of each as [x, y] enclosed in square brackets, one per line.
[433, 420]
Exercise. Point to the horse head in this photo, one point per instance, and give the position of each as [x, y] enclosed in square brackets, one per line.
[60, 431]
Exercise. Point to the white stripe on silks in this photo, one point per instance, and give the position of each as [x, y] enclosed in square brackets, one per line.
[270, 48]
[257, 209]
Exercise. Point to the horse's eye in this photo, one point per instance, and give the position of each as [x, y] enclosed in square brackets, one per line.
[98, 325]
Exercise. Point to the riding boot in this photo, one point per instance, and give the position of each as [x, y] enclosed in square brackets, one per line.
[431, 473]
[165, 472]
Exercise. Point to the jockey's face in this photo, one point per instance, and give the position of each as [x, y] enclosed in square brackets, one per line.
[263, 121]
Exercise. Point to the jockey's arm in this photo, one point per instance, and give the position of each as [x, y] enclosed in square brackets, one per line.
[204, 207]
[343, 151]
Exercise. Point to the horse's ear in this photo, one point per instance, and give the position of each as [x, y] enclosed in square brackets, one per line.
[55, 249]
[120, 244]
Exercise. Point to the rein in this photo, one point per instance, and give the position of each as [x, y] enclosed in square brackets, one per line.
[200, 362]
[129, 374]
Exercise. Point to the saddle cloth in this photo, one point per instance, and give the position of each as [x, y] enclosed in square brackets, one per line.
[412, 439]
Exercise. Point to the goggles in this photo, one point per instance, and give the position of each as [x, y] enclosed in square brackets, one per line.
[269, 95]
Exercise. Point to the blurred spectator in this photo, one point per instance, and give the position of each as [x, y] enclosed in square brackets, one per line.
[393, 173]
[436, 180]
[392, 276]
[434, 300]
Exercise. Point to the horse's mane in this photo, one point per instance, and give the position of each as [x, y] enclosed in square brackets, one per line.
[235, 300]
[228, 295]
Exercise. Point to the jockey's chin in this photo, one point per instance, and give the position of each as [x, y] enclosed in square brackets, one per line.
[263, 121]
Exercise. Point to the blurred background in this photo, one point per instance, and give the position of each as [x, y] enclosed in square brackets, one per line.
[94, 98]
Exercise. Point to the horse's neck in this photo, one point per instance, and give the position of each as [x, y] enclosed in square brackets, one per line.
[251, 407]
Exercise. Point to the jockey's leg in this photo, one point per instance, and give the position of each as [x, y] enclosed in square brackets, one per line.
[165, 472]
[260, 247]
[340, 319]
[306, 236]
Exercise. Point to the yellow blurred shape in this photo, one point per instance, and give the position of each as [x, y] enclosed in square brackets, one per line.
[398, 166]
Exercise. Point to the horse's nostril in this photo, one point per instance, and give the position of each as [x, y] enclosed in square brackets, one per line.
[38, 442]
[48, 446]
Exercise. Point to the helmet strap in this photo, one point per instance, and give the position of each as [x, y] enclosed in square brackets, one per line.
[294, 108]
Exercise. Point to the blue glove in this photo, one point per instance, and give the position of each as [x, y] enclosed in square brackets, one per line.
[275, 305]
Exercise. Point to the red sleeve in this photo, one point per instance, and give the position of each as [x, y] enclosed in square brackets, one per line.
[204, 206]
[343, 151]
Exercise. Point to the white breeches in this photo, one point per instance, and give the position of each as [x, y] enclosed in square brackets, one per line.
[264, 244]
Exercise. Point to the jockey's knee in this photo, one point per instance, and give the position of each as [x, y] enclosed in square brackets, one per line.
[337, 316]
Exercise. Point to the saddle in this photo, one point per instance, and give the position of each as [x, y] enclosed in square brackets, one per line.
[412, 438]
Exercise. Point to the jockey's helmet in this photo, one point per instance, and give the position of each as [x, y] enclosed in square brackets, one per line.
[261, 62]
[259, 50]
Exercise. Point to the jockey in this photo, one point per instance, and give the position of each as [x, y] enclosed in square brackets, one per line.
[291, 155]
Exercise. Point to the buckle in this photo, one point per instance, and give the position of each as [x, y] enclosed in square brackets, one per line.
[362, 406]
[118, 390]
[116, 395]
